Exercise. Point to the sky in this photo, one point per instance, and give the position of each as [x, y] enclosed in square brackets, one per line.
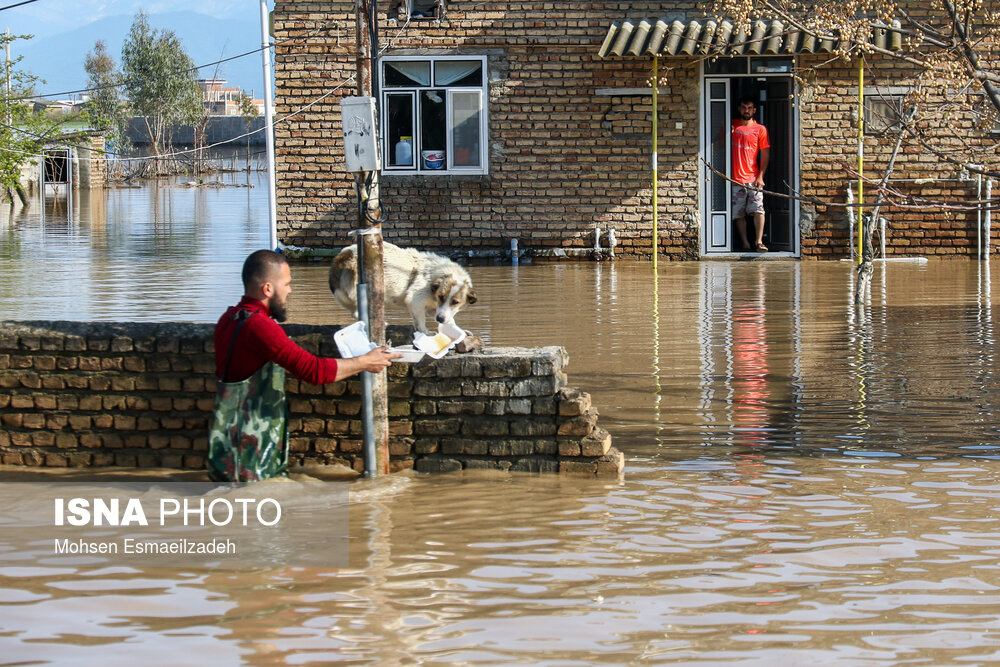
[51, 17]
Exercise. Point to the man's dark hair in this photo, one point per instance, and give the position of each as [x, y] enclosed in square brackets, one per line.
[746, 99]
[259, 265]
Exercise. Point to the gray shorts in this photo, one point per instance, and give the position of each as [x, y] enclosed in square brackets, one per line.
[746, 199]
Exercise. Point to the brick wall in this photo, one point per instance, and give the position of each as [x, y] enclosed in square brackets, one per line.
[139, 394]
[564, 160]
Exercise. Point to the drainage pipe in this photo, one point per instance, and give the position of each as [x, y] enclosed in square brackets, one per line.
[988, 218]
[979, 216]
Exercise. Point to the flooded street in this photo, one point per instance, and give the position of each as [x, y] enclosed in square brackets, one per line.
[805, 483]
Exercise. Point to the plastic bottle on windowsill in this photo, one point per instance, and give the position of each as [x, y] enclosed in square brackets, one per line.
[404, 151]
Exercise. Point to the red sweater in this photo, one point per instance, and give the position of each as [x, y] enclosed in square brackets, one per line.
[262, 340]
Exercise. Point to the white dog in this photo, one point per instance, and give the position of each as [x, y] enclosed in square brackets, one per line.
[418, 281]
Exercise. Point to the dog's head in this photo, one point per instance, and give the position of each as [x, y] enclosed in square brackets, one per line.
[451, 294]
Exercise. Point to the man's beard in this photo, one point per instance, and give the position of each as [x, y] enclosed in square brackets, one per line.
[747, 115]
[279, 311]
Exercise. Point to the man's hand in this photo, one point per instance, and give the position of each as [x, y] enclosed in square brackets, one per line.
[759, 183]
[373, 362]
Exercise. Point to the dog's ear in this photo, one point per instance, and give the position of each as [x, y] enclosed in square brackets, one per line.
[436, 285]
[471, 298]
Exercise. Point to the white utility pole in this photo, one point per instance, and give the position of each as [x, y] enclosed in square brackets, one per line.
[265, 51]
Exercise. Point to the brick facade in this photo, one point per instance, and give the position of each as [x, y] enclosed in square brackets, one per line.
[104, 394]
[563, 159]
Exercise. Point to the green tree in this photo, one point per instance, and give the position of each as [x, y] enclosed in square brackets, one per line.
[248, 110]
[160, 81]
[23, 131]
[107, 109]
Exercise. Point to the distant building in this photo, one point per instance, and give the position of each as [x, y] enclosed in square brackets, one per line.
[222, 100]
[58, 107]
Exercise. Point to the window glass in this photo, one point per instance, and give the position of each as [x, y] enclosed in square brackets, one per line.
[882, 113]
[458, 73]
[466, 107]
[768, 65]
[406, 73]
[432, 130]
[726, 66]
[399, 130]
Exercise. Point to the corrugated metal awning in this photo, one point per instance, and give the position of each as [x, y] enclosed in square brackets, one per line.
[705, 37]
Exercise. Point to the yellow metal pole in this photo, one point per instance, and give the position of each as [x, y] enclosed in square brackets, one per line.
[861, 153]
[656, 182]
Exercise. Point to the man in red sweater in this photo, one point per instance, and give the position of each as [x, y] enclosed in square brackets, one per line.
[249, 435]
[749, 139]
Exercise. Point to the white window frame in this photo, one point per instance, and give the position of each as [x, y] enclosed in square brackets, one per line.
[450, 169]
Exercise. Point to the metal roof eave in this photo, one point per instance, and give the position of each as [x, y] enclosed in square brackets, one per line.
[663, 37]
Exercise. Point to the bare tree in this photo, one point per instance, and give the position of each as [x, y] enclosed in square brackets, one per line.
[946, 53]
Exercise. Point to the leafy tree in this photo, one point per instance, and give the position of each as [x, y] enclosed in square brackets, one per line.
[160, 81]
[248, 110]
[23, 131]
[107, 110]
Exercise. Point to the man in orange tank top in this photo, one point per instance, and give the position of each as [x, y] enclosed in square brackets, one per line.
[750, 140]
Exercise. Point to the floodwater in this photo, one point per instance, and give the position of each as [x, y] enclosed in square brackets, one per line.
[805, 483]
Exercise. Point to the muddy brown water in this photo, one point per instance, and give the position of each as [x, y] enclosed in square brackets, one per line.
[805, 483]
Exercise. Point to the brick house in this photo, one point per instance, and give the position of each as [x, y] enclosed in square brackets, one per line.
[541, 115]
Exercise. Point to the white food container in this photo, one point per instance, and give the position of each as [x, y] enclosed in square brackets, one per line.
[411, 355]
[352, 341]
[448, 336]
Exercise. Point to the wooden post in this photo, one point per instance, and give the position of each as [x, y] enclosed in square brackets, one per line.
[366, 32]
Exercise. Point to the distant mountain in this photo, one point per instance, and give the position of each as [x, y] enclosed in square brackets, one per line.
[59, 59]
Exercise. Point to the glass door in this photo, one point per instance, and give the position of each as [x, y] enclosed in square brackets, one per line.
[717, 156]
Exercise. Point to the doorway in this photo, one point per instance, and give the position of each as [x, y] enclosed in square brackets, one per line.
[767, 81]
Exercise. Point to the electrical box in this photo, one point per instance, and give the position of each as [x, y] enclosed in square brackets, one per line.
[360, 147]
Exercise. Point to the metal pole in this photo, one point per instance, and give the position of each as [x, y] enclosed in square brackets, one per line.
[367, 47]
[269, 124]
[861, 156]
[367, 405]
[656, 180]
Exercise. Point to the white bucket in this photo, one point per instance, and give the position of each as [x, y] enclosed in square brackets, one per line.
[433, 159]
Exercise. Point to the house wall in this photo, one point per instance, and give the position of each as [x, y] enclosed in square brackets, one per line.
[563, 159]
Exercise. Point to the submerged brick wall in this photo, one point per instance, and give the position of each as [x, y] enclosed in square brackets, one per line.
[137, 394]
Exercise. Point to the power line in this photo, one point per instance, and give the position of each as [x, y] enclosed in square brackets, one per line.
[186, 151]
[26, 2]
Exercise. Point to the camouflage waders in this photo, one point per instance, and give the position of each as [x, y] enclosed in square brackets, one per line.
[248, 439]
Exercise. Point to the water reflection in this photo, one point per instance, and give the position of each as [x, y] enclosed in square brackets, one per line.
[805, 481]
[125, 253]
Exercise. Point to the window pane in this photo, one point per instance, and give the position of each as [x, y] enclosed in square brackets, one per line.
[432, 130]
[465, 114]
[400, 129]
[726, 66]
[764, 65]
[720, 187]
[406, 73]
[458, 73]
